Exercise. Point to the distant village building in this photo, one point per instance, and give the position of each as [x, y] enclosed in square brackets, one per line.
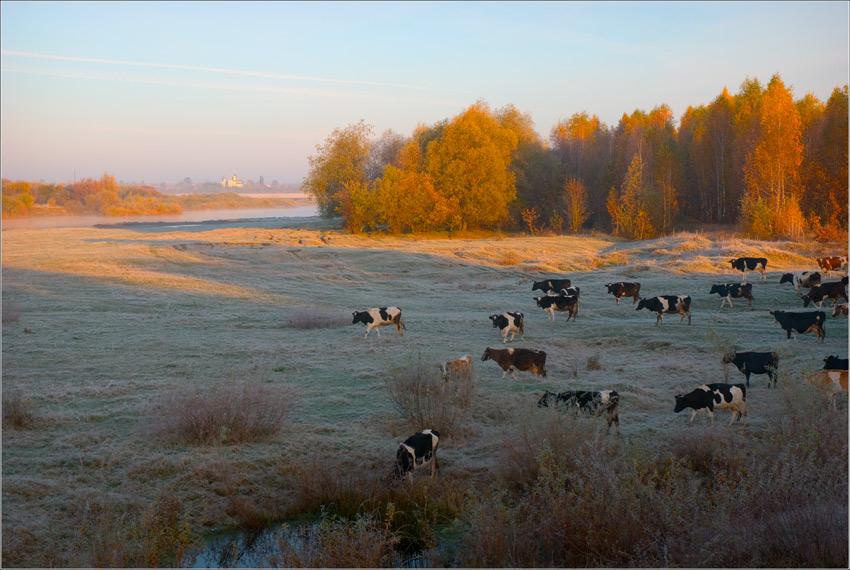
[232, 183]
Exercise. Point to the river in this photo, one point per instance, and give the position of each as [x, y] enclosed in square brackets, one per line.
[192, 216]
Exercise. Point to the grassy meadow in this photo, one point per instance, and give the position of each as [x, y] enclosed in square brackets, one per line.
[113, 336]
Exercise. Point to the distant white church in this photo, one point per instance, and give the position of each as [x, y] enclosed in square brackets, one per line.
[232, 183]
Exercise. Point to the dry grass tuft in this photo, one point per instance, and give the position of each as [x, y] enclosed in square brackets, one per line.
[10, 316]
[18, 411]
[316, 319]
[224, 414]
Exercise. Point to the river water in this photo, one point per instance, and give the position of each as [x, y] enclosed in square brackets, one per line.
[182, 220]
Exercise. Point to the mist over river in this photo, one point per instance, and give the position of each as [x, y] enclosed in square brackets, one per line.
[191, 216]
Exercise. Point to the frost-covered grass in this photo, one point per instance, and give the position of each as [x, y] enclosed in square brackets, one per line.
[111, 322]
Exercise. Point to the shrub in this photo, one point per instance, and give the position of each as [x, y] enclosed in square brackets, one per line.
[593, 363]
[426, 400]
[224, 414]
[18, 411]
[113, 536]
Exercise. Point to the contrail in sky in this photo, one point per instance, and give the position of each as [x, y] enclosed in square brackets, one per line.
[264, 74]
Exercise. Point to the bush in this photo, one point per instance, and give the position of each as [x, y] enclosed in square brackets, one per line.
[420, 394]
[18, 411]
[224, 414]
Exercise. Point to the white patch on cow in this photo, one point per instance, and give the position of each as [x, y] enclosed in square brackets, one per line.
[665, 306]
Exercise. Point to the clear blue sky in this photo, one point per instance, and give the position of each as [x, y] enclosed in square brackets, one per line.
[160, 91]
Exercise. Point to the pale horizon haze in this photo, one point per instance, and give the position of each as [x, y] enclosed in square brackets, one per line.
[157, 92]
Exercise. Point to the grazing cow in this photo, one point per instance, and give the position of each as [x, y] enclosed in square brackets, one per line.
[680, 304]
[509, 322]
[812, 321]
[551, 303]
[605, 401]
[834, 363]
[521, 359]
[755, 363]
[710, 397]
[830, 382]
[801, 279]
[550, 285]
[833, 263]
[624, 289]
[729, 290]
[744, 264]
[418, 450]
[374, 318]
[829, 290]
[457, 368]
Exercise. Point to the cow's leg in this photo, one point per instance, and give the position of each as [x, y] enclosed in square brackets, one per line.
[748, 378]
[513, 374]
[659, 319]
[693, 415]
[377, 330]
[618, 300]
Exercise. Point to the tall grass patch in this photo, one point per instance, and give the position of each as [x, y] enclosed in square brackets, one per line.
[223, 414]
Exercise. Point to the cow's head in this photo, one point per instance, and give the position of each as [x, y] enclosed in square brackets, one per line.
[786, 278]
[541, 285]
[716, 289]
[807, 299]
[680, 404]
[729, 357]
[642, 304]
[547, 397]
[486, 355]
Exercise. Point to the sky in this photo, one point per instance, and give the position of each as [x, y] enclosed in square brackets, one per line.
[157, 92]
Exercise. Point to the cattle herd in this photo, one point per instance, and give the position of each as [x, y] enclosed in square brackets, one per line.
[420, 449]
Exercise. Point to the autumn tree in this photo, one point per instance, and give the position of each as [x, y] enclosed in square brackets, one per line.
[341, 161]
[575, 202]
[535, 169]
[470, 165]
[407, 201]
[771, 170]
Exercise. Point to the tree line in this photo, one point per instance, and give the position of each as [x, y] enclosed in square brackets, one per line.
[105, 196]
[773, 165]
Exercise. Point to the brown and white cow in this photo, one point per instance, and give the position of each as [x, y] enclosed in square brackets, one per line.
[523, 359]
[840, 310]
[459, 368]
[830, 382]
[833, 263]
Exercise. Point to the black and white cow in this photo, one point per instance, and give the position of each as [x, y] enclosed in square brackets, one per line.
[829, 290]
[418, 450]
[738, 291]
[552, 303]
[523, 359]
[598, 403]
[834, 363]
[800, 279]
[374, 318]
[755, 363]
[710, 397]
[672, 304]
[744, 264]
[624, 289]
[550, 286]
[802, 323]
[509, 322]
